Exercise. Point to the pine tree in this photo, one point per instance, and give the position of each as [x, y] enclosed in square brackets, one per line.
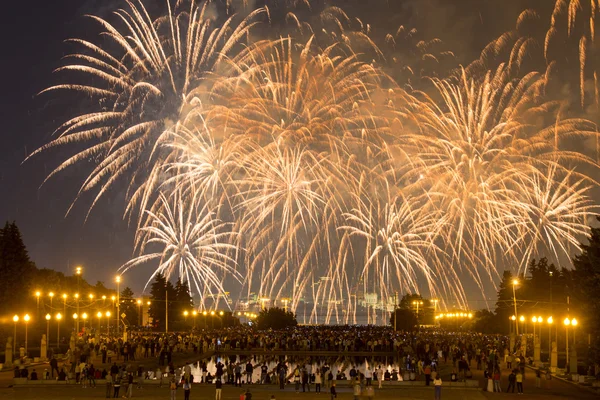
[585, 287]
[16, 269]
[504, 304]
[129, 307]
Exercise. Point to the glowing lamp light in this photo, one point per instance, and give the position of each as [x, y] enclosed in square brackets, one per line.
[48, 316]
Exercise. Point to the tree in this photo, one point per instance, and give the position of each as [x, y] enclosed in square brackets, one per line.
[585, 288]
[504, 303]
[129, 307]
[16, 269]
[160, 290]
[276, 318]
[421, 307]
[407, 319]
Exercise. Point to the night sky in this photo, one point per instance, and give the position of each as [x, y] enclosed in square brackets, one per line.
[33, 33]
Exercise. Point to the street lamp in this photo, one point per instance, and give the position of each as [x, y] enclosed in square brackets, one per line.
[99, 315]
[48, 316]
[77, 320]
[58, 318]
[417, 303]
[84, 317]
[194, 313]
[550, 321]
[567, 322]
[522, 320]
[574, 323]
[107, 322]
[515, 282]
[26, 318]
[139, 303]
[15, 319]
[37, 298]
[78, 274]
[118, 279]
[51, 294]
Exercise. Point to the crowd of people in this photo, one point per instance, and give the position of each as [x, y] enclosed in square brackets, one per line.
[396, 356]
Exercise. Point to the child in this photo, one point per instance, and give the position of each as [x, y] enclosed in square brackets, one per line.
[333, 392]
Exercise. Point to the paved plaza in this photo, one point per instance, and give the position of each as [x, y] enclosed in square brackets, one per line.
[553, 389]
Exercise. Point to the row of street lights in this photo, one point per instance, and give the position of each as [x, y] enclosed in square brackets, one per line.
[536, 320]
[92, 297]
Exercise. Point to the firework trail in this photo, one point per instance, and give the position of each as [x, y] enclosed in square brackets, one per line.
[190, 243]
[295, 166]
[142, 88]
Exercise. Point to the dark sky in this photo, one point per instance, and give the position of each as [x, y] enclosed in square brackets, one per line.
[33, 34]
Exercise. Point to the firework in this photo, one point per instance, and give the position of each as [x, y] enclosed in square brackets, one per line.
[298, 167]
[189, 241]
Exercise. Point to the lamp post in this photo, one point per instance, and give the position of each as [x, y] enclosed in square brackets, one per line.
[139, 303]
[26, 318]
[48, 317]
[194, 313]
[77, 319]
[118, 279]
[58, 318]
[37, 299]
[84, 317]
[522, 320]
[574, 353]
[550, 321]
[15, 320]
[108, 323]
[567, 322]
[511, 321]
[64, 296]
[78, 274]
[515, 282]
[99, 315]
[51, 295]
[148, 312]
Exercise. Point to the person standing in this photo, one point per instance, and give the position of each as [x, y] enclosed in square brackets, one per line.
[368, 376]
[219, 387]
[538, 378]
[173, 389]
[427, 372]
[512, 378]
[496, 378]
[318, 381]
[437, 383]
[129, 385]
[187, 387]
[519, 382]
[109, 384]
[332, 391]
[116, 387]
